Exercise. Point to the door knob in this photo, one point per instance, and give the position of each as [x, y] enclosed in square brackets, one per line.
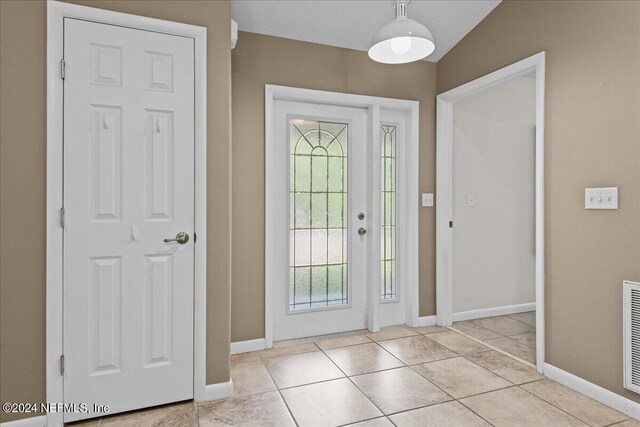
[362, 231]
[181, 238]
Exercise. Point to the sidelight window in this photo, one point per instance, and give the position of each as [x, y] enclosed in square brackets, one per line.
[388, 286]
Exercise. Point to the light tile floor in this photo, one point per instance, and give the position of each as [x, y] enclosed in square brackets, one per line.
[514, 333]
[403, 376]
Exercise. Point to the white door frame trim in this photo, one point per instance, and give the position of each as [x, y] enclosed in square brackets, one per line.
[56, 13]
[373, 105]
[444, 189]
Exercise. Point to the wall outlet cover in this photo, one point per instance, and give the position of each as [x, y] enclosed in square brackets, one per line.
[601, 198]
[427, 199]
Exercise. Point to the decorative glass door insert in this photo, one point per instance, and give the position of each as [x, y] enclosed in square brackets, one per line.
[318, 162]
[389, 283]
[320, 168]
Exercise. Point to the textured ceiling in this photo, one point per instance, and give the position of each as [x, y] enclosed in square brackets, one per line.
[353, 23]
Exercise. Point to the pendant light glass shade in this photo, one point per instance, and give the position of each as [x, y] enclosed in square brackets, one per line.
[401, 40]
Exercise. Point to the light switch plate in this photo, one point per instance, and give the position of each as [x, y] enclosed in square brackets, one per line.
[427, 199]
[601, 198]
[471, 200]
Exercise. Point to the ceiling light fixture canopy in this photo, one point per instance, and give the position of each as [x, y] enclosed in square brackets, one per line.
[402, 40]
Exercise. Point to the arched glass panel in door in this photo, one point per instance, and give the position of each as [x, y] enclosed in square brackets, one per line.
[318, 214]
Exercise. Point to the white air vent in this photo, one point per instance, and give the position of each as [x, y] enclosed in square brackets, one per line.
[631, 301]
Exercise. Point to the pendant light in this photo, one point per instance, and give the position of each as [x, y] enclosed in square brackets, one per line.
[401, 40]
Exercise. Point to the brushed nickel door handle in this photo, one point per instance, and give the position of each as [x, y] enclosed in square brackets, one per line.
[181, 238]
[362, 231]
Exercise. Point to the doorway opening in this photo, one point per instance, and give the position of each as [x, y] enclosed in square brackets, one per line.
[490, 210]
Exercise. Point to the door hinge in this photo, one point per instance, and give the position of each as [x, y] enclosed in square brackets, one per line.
[62, 64]
[62, 217]
[450, 224]
[62, 364]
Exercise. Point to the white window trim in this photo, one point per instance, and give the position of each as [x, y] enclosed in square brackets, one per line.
[373, 105]
[56, 13]
[444, 190]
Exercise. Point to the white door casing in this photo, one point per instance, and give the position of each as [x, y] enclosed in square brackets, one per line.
[128, 184]
[444, 191]
[345, 317]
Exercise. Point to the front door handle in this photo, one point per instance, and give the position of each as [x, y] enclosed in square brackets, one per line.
[362, 231]
[181, 238]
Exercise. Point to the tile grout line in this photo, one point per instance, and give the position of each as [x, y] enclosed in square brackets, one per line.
[278, 388]
[418, 334]
[525, 323]
[618, 422]
[398, 367]
[479, 327]
[416, 364]
[474, 412]
[502, 388]
[492, 372]
[430, 382]
[347, 345]
[549, 403]
[365, 420]
[510, 337]
[486, 343]
[497, 333]
[454, 399]
[384, 415]
[512, 385]
[500, 335]
[435, 385]
[403, 365]
[355, 385]
[514, 357]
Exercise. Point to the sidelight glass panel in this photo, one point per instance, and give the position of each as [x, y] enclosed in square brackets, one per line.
[318, 223]
[389, 284]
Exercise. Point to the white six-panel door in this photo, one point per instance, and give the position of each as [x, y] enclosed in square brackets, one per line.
[128, 185]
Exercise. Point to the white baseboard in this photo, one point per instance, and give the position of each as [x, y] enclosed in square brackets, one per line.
[247, 346]
[218, 391]
[39, 421]
[426, 321]
[602, 395]
[494, 311]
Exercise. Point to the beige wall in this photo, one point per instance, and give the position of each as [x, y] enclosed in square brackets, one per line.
[258, 60]
[23, 186]
[592, 139]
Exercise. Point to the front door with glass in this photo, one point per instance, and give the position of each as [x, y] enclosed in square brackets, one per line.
[326, 187]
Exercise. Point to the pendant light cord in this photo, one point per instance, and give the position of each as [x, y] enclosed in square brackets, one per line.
[401, 9]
